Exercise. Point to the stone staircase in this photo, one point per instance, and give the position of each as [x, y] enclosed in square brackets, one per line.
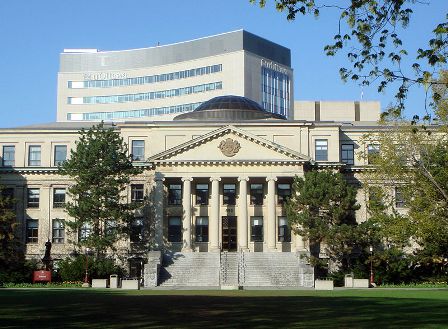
[232, 269]
[275, 269]
[229, 269]
[192, 269]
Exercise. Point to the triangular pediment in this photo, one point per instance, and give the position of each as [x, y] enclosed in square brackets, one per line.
[229, 144]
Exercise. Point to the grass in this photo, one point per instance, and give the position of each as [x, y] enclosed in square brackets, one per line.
[78, 308]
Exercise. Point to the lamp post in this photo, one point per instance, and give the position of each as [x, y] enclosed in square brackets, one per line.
[371, 265]
[86, 283]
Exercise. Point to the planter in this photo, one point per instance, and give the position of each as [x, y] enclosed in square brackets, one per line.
[323, 285]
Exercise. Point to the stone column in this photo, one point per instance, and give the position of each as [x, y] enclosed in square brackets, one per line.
[214, 215]
[271, 207]
[300, 244]
[186, 205]
[242, 219]
[158, 212]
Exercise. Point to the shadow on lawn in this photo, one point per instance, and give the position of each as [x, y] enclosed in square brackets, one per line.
[79, 309]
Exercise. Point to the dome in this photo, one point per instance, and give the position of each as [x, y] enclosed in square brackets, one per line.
[229, 108]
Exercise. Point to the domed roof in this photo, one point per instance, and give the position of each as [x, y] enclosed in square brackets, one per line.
[229, 108]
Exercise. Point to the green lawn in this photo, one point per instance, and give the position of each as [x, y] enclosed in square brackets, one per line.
[77, 308]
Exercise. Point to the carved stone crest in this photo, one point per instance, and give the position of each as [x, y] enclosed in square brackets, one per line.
[229, 147]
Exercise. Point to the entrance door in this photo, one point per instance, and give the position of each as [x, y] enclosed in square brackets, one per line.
[229, 242]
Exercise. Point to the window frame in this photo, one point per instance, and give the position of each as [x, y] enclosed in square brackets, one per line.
[35, 162]
[373, 150]
[400, 203]
[140, 155]
[174, 194]
[348, 160]
[202, 197]
[282, 197]
[56, 161]
[201, 230]
[174, 231]
[32, 233]
[226, 196]
[137, 193]
[58, 203]
[58, 232]
[284, 231]
[256, 194]
[256, 231]
[321, 154]
[29, 197]
[9, 162]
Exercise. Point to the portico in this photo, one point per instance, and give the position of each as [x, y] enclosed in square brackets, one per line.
[233, 201]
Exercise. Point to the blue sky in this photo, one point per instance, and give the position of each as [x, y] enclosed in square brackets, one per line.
[34, 33]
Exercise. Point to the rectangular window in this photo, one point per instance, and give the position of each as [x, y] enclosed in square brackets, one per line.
[174, 229]
[201, 229]
[110, 227]
[283, 192]
[229, 194]
[58, 197]
[373, 152]
[84, 231]
[33, 198]
[321, 149]
[256, 229]
[202, 194]
[375, 197]
[9, 152]
[256, 194]
[399, 198]
[58, 231]
[137, 230]
[284, 232]
[138, 150]
[137, 193]
[34, 155]
[60, 154]
[32, 230]
[174, 194]
[348, 154]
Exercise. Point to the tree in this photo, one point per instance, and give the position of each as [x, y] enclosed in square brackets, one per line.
[101, 169]
[11, 253]
[322, 210]
[369, 31]
[411, 172]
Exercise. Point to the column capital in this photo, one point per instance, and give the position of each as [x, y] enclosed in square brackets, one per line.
[187, 179]
[215, 178]
[241, 178]
[271, 178]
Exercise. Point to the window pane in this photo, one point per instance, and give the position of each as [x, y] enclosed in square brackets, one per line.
[138, 150]
[58, 197]
[58, 231]
[201, 229]
[347, 154]
[283, 192]
[284, 232]
[60, 154]
[32, 230]
[229, 194]
[321, 146]
[256, 194]
[373, 151]
[174, 194]
[202, 194]
[34, 155]
[84, 231]
[33, 198]
[174, 229]
[9, 156]
[137, 230]
[137, 193]
[256, 229]
[399, 198]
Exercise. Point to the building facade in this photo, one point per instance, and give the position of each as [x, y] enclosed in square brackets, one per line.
[160, 82]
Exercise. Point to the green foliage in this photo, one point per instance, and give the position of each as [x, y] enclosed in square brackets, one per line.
[12, 261]
[370, 32]
[44, 285]
[101, 169]
[322, 210]
[74, 269]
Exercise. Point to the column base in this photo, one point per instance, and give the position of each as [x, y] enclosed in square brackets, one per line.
[187, 249]
[214, 249]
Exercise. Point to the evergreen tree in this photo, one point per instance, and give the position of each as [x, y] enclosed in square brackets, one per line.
[11, 253]
[101, 170]
[322, 210]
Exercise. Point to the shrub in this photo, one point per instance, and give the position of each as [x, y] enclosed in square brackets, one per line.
[74, 269]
